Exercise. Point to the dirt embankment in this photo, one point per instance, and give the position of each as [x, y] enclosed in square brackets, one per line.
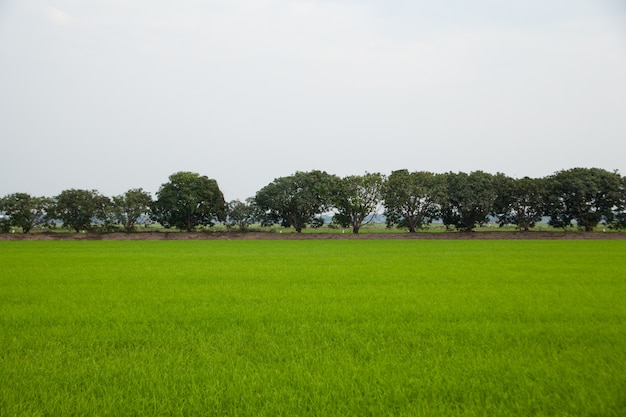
[319, 236]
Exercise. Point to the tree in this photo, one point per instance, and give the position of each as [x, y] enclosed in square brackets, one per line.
[357, 198]
[468, 199]
[5, 220]
[130, 206]
[617, 218]
[24, 211]
[519, 201]
[80, 209]
[294, 201]
[241, 214]
[584, 195]
[189, 200]
[410, 199]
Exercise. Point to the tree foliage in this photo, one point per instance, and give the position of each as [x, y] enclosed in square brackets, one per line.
[468, 199]
[5, 221]
[24, 211]
[189, 200]
[294, 201]
[519, 201]
[410, 199]
[242, 214]
[356, 199]
[130, 206]
[617, 218]
[81, 209]
[584, 195]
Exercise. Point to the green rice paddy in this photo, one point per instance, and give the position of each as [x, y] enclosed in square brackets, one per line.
[313, 328]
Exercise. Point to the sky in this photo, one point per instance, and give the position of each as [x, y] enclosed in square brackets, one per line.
[117, 94]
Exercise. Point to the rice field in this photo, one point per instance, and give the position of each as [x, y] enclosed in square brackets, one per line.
[313, 328]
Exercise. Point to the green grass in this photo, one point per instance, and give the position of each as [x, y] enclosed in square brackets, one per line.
[336, 328]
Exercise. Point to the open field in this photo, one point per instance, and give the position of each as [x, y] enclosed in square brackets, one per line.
[313, 327]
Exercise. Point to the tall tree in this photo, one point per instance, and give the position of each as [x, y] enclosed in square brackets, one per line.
[5, 221]
[410, 199]
[468, 199]
[189, 200]
[294, 201]
[519, 201]
[241, 214]
[130, 206]
[81, 209]
[584, 195]
[24, 211]
[617, 217]
[357, 199]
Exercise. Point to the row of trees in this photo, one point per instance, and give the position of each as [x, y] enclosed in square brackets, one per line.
[461, 201]
[188, 200]
[581, 197]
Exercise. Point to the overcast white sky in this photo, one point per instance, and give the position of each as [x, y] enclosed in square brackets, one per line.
[119, 94]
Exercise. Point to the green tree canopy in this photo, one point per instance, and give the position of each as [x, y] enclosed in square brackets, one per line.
[294, 201]
[189, 200]
[584, 195]
[242, 214]
[130, 206]
[24, 211]
[357, 198]
[410, 199]
[617, 218]
[80, 209]
[468, 199]
[519, 201]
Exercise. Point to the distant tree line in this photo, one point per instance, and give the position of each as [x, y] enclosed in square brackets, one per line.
[578, 197]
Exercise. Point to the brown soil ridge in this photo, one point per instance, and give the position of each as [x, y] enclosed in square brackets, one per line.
[483, 235]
